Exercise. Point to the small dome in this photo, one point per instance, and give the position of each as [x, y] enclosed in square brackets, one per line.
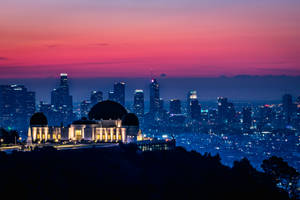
[106, 110]
[130, 120]
[38, 119]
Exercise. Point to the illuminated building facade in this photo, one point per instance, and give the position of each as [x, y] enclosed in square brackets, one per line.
[108, 122]
[102, 131]
[40, 132]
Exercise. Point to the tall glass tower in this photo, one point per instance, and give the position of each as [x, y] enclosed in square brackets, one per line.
[17, 105]
[62, 102]
[154, 96]
[119, 93]
[138, 104]
[96, 97]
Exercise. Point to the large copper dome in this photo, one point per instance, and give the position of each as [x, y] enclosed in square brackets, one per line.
[130, 120]
[107, 110]
[38, 119]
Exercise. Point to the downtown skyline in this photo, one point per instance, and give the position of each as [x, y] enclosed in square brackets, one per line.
[138, 38]
[159, 99]
[239, 88]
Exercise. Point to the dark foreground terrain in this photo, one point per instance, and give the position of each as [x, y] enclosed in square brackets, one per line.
[123, 173]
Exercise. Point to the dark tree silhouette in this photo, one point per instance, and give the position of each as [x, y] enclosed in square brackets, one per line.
[8, 137]
[244, 166]
[124, 173]
[282, 174]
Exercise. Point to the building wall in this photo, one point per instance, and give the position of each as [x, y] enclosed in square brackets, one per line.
[97, 133]
[103, 131]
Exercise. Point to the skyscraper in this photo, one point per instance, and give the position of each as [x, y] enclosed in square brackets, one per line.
[231, 113]
[17, 105]
[161, 106]
[85, 107]
[288, 107]
[298, 110]
[154, 96]
[138, 104]
[222, 109]
[46, 109]
[119, 93]
[96, 97]
[62, 101]
[111, 96]
[226, 111]
[298, 100]
[195, 109]
[247, 118]
[266, 114]
[175, 106]
[192, 95]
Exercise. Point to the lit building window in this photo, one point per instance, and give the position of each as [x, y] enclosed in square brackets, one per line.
[78, 135]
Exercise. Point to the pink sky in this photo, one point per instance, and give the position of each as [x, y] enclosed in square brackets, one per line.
[131, 38]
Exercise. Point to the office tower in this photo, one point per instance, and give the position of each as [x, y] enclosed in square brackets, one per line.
[17, 105]
[154, 96]
[226, 111]
[30, 103]
[247, 118]
[111, 96]
[96, 97]
[191, 96]
[175, 106]
[298, 100]
[288, 107]
[119, 93]
[46, 109]
[62, 102]
[212, 116]
[138, 104]
[298, 104]
[231, 113]
[85, 107]
[195, 109]
[298, 109]
[222, 109]
[161, 104]
[266, 114]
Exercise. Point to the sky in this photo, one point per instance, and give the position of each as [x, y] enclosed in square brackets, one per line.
[136, 38]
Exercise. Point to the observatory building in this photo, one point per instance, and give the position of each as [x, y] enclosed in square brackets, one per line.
[108, 121]
[39, 131]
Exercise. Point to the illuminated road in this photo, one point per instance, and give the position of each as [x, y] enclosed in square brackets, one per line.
[9, 149]
[80, 146]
